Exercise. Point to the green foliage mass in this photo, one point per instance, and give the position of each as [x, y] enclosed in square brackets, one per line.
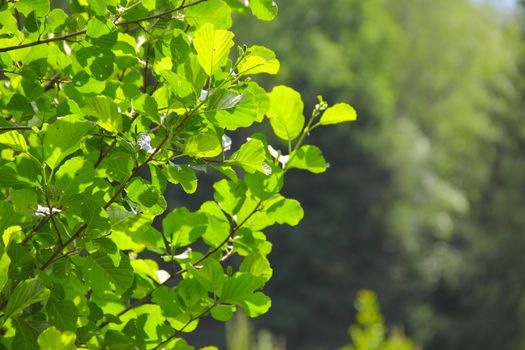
[106, 105]
[370, 332]
[425, 197]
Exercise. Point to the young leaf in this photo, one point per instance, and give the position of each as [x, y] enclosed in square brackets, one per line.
[53, 339]
[205, 144]
[215, 12]
[15, 140]
[213, 46]
[286, 112]
[264, 9]
[338, 113]
[309, 158]
[250, 156]
[222, 312]
[286, 211]
[258, 59]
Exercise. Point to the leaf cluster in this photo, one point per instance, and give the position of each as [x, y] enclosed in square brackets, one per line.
[105, 104]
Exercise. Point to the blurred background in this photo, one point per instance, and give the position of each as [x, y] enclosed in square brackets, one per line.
[425, 197]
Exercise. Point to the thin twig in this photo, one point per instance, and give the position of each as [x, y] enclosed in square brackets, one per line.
[146, 298]
[52, 258]
[135, 171]
[178, 331]
[10, 128]
[82, 32]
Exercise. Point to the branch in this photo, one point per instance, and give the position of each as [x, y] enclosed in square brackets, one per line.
[44, 41]
[82, 32]
[9, 128]
[135, 171]
[52, 258]
[178, 331]
[146, 298]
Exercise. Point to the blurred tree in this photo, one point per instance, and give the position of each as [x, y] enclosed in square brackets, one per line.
[369, 332]
[405, 212]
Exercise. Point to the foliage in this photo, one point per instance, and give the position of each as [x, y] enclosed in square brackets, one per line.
[370, 332]
[106, 105]
[240, 335]
[418, 211]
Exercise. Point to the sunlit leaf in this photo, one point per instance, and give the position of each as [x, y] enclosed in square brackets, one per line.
[286, 112]
[338, 113]
[213, 46]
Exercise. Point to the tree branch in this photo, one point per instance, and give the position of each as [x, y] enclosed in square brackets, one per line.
[178, 331]
[10, 128]
[52, 258]
[82, 32]
[146, 298]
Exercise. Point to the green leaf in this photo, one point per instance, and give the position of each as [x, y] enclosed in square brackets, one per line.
[105, 110]
[182, 174]
[338, 113]
[117, 341]
[14, 140]
[26, 335]
[41, 7]
[258, 59]
[62, 314]
[218, 229]
[213, 46]
[240, 290]
[55, 18]
[9, 177]
[103, 276]
[286, 211]
[147, 196]
[62, 138]
[73, 177]
[183, 227]
[229, 196]
[26, 293]
[286, 112]
[257, 265]
[264, 9]
[210, 276]
[53, 339]
[204, 144]
[96, 28]
[250, 156]
[177, 84]
[215, 12]
[91, 213]
[5, 261]
[232, 110]
[309, 158]
[222, 312]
